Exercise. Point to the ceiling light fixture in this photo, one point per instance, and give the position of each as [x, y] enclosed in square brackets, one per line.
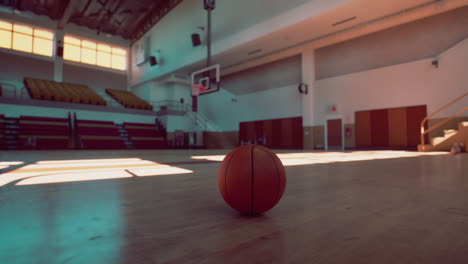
[344, 21]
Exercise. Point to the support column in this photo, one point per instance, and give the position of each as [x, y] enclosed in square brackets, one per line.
[311, 132]
[58, 58]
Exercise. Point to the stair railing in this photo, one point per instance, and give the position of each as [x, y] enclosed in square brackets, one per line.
[11, 89]
[423, 122]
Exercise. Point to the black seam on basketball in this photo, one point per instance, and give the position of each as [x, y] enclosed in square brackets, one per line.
[225, 173]
[277, 175]
[252, 169]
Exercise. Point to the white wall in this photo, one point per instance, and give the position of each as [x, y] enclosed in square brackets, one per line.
[234, 23]
[14, 67]
[279, 73]
[414, 83]
[11, 110]
[420, 39]
[159, 91]
[144, 91]
[270, 104]
[178, 123]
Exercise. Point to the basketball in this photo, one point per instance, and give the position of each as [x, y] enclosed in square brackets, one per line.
[251, 179]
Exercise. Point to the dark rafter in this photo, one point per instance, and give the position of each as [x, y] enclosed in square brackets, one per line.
[127, 18]
[108, 17]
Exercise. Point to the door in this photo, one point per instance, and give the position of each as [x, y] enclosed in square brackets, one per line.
[363, 129]
[334, 134]
[414, 117]
[379, 128]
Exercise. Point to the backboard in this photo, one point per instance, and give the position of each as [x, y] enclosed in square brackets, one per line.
[206, 80]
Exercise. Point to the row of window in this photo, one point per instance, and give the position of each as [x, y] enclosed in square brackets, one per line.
[40, 41]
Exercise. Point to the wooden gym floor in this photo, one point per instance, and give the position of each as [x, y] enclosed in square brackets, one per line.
[363, 207]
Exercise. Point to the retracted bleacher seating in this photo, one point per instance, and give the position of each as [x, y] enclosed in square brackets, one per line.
[62, 92]
[2, 132]
[44, 132]
[99, 135]
[146, 136]
[129, 100]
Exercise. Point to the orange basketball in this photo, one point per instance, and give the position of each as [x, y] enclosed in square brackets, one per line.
[251, 179]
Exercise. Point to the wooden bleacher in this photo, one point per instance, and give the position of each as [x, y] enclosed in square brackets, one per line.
[2, 132]
[43, 132]
[146, 136]
[62, 92]
[129, 100]
[99, 135]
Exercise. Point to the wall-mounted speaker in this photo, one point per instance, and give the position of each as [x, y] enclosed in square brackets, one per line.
[59, 51]
[196, 40]
[303, 88]
[153, 61]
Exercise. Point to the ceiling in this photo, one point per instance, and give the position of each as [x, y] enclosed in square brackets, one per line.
[129, 19]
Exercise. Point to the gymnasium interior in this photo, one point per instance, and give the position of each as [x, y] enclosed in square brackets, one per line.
[120, 121]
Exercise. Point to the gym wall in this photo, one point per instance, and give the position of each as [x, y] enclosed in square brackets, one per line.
[392, 68]
[403, 85]
[265, 92]
[409, 84]
[275, 74]
[96, 79]
[421, 39]
[15, 67]
[172, 35]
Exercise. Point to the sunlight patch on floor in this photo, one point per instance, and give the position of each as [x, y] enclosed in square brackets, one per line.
[75, 177]
[7, 164]
[294, 159]
[88, 161]
[160, 170]
[43, 172]
[11, 163]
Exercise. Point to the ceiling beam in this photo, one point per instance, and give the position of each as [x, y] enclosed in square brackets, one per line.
[108, 17]
[68, 13]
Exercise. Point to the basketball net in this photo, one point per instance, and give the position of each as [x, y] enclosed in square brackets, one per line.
[197, 89]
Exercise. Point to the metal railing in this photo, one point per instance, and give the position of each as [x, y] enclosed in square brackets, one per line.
[423, 122]
[8, 88]
[198, 118]
[172, 105]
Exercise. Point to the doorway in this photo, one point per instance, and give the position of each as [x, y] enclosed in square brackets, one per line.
[335, 134]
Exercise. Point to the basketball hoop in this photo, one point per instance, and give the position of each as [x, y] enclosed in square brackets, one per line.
[197, 89]
[205, 81]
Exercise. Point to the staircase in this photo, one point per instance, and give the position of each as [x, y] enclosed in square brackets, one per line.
[451, 136]
[109, 100]
[124, 135]
[200, 122]
[11, 132]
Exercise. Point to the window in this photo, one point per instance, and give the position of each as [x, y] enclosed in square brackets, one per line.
[94, 53]
[26, 38]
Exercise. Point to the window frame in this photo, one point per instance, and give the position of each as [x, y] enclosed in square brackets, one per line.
[96, 50]
[32, 35]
